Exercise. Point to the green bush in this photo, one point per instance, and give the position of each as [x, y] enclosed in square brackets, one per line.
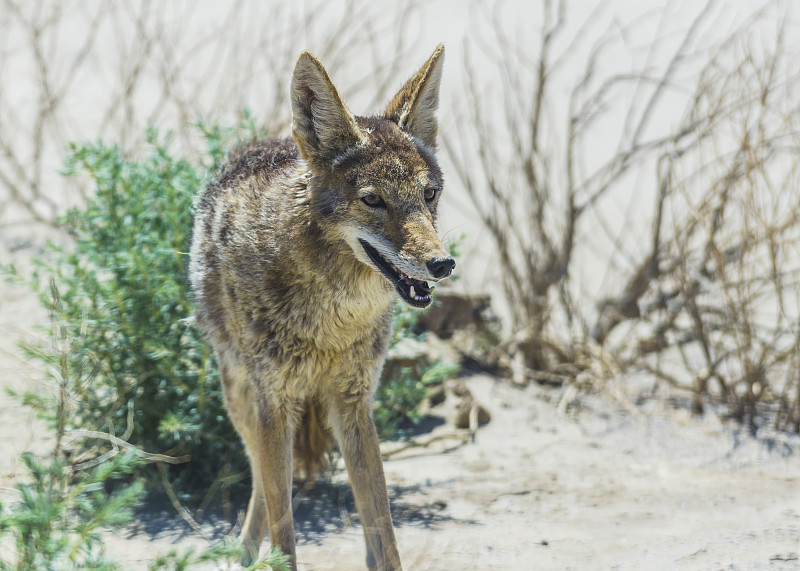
[402, 389]
[60, 514]
[56, 525]
[226, 551]
[135, 367]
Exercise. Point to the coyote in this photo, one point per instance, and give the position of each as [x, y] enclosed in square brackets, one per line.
[300, 248]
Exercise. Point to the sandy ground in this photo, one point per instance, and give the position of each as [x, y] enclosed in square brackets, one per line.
[602, 486]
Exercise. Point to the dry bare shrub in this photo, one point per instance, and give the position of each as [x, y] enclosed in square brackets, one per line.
[708, 300]
[719, 315]
[534, 184]
[79, 70]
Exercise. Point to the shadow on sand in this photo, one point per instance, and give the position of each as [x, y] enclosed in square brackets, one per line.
[326, 508]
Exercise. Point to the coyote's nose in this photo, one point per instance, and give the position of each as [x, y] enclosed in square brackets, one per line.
[441, 267]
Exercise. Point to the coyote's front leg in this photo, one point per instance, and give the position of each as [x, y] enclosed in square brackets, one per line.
[274, 457]
[358, 440]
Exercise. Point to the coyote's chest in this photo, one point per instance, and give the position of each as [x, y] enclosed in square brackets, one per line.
[318, 335]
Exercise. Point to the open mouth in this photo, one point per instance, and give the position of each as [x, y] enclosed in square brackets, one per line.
[415, 293]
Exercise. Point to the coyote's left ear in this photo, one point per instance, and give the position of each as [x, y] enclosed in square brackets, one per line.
[322, 126]
[414, 107]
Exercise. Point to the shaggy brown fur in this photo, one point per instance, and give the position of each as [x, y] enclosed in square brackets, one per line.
[300, 248]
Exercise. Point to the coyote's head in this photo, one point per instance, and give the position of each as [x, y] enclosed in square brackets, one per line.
[375, 180]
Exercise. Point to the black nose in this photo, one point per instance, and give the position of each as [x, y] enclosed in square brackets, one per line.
[441, 267]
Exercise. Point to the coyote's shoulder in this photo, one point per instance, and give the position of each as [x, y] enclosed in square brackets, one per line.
[301, 247]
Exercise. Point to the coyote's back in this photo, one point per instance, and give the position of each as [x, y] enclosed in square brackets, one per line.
[300, 248]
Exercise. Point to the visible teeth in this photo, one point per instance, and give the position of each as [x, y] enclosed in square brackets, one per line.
[412, 293]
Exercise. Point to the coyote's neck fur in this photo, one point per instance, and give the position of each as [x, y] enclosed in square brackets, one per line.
[303, 281]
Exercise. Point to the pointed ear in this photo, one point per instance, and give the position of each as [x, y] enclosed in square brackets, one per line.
[322, 126]
[415, 105]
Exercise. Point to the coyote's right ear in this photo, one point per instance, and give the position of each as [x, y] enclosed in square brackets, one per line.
[322, 126]
[415, 105]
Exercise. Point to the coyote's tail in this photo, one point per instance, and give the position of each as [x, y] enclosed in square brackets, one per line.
[312, 443]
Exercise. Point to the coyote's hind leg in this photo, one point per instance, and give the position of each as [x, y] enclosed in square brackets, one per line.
[255, 522]
[241, 404]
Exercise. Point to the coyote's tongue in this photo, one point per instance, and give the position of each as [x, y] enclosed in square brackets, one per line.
[419, 286]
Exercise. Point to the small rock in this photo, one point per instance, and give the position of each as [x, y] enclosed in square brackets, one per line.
[464, 410]
[453, 312]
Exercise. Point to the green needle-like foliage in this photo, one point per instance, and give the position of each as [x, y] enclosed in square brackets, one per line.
[57, 522]
[124, 296]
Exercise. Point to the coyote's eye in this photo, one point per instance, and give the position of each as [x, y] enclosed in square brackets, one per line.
[373, 200]
[430, 193]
